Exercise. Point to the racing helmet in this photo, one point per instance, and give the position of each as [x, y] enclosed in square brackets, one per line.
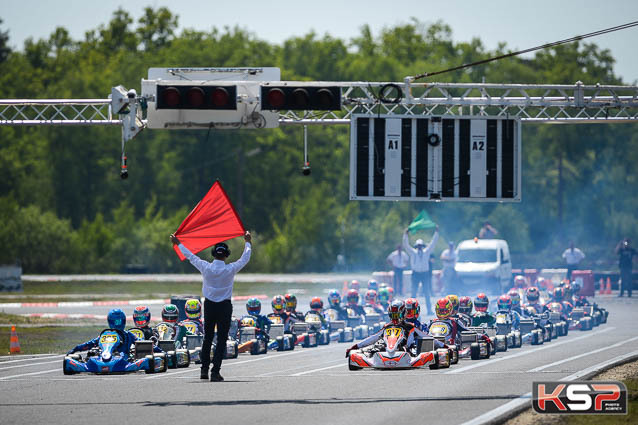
[278, 304]
[170, 313]
[291, 302]
[520, 281]
[555, 307]
[443, 308]
[373, 284]
[481, 302]
[141, 316]
[391, 292]
[383, 285]
[454, 299]
[559, 293]
[193, 308]
[116, 319]
[567, 287]
[316, 304]
[334, 298]
[541, 282]
[247, 322]
[396, 311]
[352, 297]
[371, 296]
[516, 297]
[253, 306]
[384, 295]
[465, 305]
[532, 294]
[355, 285]
[412, 308]
[504, 302]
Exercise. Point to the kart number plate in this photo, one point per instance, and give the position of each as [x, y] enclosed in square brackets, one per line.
[501, 318]
[191, 327]
[108, 339]
[138, 333]
[440, 329]
[275, 319]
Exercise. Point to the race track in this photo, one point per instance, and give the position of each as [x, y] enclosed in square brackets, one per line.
[307, 385]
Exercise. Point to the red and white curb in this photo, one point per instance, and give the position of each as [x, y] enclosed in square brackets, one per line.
[73, 304]
[75, 316]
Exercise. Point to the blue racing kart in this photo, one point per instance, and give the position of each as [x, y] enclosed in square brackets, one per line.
[105, 359]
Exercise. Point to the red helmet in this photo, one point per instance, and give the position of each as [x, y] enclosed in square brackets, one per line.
[278, 304]
[443, 308]
[316, 304]
[520, 281]
[352, 297]
[532, 294]
[371, 296]
[515, 296]
[391, 291]
[291, 302]
[412, 308]
[504, 302]
[355, 285]
[559, 293]
[396, 311]
[465, 304]
[481, 302]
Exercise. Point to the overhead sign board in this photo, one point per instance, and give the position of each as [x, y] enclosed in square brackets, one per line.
[435, 158]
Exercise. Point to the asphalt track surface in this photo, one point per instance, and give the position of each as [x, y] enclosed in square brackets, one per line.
[307, 385]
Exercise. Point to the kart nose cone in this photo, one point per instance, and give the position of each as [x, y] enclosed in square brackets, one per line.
[106, 356]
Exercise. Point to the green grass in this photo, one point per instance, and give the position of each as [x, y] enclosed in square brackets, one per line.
[14, 319]
[141, 290]
[47, 339]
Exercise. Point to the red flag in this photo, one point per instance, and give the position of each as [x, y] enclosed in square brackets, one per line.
[213, 220]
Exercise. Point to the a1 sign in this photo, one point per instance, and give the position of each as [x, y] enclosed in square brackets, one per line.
[580, 397]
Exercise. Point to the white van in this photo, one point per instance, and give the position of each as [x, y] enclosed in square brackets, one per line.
[484, 265]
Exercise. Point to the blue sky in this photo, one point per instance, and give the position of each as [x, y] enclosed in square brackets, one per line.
[519, 24]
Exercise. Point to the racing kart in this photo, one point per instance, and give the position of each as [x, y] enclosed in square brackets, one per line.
[174, 357]
[104, 359]
[355, 321]
[582, 318]
[506, 337]
[338, 329]
[532, 330]
[479, 346]
[279, 339]
[313, 319]
[251, 340]
[391, 353]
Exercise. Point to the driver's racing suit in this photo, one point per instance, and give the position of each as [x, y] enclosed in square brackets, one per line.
[181, 330]
[124, 348]
[515, 318]
[263, 325]
[150, 334]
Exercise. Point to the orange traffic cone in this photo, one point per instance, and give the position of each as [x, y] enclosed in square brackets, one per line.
[601, 286]
[608, 287]
[14, 346]
[344, 290]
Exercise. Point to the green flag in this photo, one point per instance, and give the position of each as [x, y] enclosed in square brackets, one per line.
[422, 221]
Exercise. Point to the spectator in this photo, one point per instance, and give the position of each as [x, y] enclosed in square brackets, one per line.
[626, 254]
[572, 257]
[420, 264]
[448, 274]
[487, 231]
[399, 261]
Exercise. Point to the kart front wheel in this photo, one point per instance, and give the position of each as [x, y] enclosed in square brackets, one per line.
[353, 367]
[64, 368]
[475, 351]
[151, 365]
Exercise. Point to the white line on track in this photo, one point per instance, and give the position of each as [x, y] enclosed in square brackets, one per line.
[480, 363]
[265, 357]
[487, 417]
[30, 358]
[547, 366]
[31, 374]
[27, 365]
[321, 368]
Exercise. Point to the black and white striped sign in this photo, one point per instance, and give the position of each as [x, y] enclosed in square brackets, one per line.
[432, 158]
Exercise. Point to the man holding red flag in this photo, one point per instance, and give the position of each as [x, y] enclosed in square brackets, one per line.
[217, 288]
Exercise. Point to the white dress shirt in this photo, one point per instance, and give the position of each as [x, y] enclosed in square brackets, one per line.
[399, 259]
[219, 277]
[419, 258]
[573, 257]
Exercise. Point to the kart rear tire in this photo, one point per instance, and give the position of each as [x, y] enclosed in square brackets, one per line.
[165, 367]
[353, 367]
[435, 365]
[454, 359]
[475, 351]
[151, 365]
[173, 359]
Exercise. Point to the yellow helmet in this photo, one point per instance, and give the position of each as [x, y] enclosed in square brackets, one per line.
[454, 299]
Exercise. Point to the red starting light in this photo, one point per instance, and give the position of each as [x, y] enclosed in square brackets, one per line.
[276, 98]
[196, 97]
[219, 97]
[171, 97]
[301, 98]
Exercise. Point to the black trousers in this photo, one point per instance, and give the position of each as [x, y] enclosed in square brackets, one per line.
[626, 281]
[426, 279]
[215, 314]
[397, 281]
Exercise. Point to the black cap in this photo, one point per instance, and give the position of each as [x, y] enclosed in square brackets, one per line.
[221, 250]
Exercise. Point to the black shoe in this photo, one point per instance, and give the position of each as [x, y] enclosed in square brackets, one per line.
[204, 374]
[216, 377]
